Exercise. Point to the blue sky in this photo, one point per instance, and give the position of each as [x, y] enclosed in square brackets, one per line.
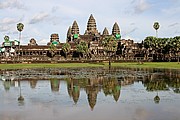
[44, 17]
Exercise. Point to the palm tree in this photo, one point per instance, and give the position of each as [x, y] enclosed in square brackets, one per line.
[52, 50]
[66, 48]
[6, 38]
[20, 27]
[82, 47]
[177, 46]
[156, 27]
[110, 46]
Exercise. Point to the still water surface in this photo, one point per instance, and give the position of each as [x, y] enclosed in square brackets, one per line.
[90, 93]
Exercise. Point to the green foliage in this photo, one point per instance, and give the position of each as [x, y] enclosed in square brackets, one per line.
[66, 48]
[156, 85]
[109, 44]
[167, 65]
[20, 27]
[82, 47]
[164, 44]
[6, 38]
[156, 25]
[52, 48]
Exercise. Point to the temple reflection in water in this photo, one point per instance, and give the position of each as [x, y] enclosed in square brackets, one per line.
[93, 82]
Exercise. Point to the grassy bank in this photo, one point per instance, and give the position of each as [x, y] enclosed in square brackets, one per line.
[48, 65]
[168, 65]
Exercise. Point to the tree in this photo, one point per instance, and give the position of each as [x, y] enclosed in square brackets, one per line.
[110, 46]
[156, 27]
[175, 46]
[6, 38]
[82, 48]
[66, 48]
[20, 28]
[52, 50]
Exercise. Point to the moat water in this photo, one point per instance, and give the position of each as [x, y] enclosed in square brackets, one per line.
[90, 94]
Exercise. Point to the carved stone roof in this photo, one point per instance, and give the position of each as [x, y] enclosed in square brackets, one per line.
[75, 28]
[105, 31]
[115, 29]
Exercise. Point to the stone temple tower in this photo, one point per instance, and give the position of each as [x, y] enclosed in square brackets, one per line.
[91, 26]
[75, 28]
[116, 31]
[105, 32]
[73, 32]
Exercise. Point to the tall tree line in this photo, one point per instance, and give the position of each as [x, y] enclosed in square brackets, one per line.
[163, 49]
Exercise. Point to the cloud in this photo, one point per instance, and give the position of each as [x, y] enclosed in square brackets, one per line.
[131, 31]
[39, 18]
[54, 9]
[141, 6]
[4, 28]
[7, 21]
[11, 4]
[43, 42]
[173, 25]
[8, 25]
[132, 23]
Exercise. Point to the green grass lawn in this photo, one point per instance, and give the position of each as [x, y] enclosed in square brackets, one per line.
[169, 65]
[48, 65]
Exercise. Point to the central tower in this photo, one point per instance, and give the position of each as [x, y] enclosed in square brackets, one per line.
[91, 26]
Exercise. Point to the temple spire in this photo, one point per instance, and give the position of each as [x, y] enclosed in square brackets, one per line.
[75, 28]
[115, 29]
[105, 31]
[91, 26]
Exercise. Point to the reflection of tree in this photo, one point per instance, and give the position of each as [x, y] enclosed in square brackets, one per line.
[112, 86]
[55, 85]
[156, 99]
[156, 81]
[163, 82]
[20, 98]
[156, 85]
[7, 85]
[33, 83]
[108, 86]
[175, 84]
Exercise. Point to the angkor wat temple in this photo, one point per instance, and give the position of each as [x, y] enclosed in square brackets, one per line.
[12, 51]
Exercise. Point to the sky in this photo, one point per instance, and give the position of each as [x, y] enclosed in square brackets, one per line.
[41, 18]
